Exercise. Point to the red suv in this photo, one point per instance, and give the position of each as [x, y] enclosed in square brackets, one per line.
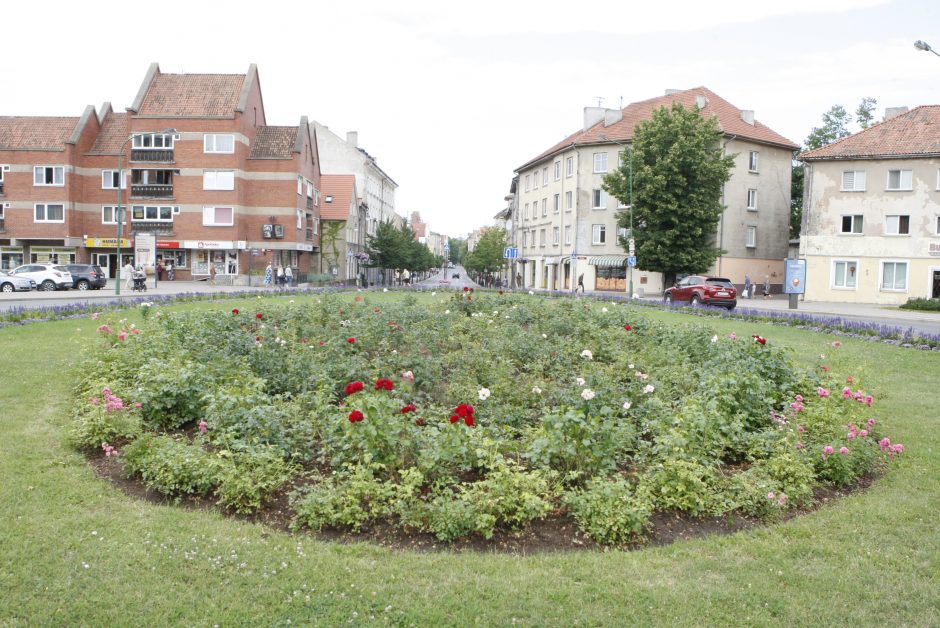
[698, 289]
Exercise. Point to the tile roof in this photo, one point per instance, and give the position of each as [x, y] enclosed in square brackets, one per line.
[916, 132]
[274, 142]
[35, 132]
[113, 134]
[729, 121]
[342, 187]
[192, 95]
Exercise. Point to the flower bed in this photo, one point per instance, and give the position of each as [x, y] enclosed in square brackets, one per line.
[479, 413]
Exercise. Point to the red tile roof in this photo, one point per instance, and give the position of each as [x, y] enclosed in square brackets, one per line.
[113, 134]
[729, 121]
[35, 132]
[274, 142]
[342, 187]
[915, 133]
[192, 95]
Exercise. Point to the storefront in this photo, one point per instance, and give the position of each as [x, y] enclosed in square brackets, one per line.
[10, 257]
[610, 272]
[51, 255]
[103, 252]
[206, 254]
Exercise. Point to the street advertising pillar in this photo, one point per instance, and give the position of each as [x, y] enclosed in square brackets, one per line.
[794, 283]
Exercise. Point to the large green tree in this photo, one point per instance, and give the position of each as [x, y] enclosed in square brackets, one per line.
[487, 255]
[679, 169]
[458, 250]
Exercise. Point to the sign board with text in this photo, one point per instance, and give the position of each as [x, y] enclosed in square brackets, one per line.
[795, 278]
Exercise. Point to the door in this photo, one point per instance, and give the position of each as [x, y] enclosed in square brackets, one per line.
[104, 261]
[935, 288]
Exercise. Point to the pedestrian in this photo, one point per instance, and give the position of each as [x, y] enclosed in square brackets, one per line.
[580, 284]
[289, 276]
[160, 271]
[280, 275]
[170, 273]
[212, 272]
[268, 275]
[405, 277]
[748, 286]
[129, 274]
[766, 286]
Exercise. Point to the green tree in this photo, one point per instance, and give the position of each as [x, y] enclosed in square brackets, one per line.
[487, 255]
[679, 169]
[796, 199]
[388, 248]
[835, 126]
[864, 115]
[458, 250]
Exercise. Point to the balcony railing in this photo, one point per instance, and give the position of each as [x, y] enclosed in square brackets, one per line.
[161, 155]
[152, 190]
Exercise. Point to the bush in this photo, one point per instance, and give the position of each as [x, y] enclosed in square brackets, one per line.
[104, 419]
[926, 305]
[609, 511]
[348, 498]
[252, 478]
[174, 467]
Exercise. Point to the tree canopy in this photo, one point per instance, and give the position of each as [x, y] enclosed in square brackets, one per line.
[487, 255]
[679, 169]
[396, 247]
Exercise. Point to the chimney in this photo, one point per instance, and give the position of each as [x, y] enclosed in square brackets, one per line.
[893, 112]
[352, 138]
[671, 92]
[701, 101]
[748, 116]
[612, 115]
[593, 115]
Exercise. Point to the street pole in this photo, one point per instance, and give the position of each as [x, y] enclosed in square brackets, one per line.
[120, 217]
[632, 250]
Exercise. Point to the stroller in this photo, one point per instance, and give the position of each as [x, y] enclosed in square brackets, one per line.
[140, 281]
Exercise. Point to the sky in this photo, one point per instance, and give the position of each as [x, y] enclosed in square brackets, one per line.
[450, 98]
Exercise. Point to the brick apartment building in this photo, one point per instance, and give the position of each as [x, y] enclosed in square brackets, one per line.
[203, 182]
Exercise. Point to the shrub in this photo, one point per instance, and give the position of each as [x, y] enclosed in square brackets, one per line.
[609, 510]
[348, 498]
[581, 439]
[252, 478]
[104, 419]
[174, 467]
[927, 305]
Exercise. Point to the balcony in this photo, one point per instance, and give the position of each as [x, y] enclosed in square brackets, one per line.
[152, 190]
[157, 155]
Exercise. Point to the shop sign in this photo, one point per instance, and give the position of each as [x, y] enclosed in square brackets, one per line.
[167, 244]
[933, 248]
[207, 244]
[108, 243]
[305, 247]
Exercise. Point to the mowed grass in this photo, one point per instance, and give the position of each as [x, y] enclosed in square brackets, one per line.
[74, 550]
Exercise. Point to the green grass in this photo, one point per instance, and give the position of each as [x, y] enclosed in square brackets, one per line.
[872, 558]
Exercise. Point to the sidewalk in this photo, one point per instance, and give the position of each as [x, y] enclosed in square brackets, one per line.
[163, 288]
[781, 303]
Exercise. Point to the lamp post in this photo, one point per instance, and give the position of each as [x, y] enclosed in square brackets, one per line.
[630, 241]
[923, 45]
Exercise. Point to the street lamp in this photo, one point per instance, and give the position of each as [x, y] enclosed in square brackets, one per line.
[627, 147]
[923, 45]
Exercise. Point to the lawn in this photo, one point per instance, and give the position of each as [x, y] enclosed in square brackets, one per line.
[74, 550]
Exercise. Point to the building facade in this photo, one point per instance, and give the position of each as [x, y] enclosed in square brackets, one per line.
[190, 176]
[871, 212]
[345, 220]
[566, 225]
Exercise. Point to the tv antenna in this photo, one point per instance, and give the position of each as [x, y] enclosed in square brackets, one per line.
[600, 100]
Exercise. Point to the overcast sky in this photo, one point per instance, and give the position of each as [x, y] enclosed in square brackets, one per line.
[451, 98]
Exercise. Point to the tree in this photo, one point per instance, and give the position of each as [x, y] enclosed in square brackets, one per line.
[487, 256]
[864, 115]
[796, 199]
[835, 126]
[458, 250]
[388, 248]
[679, 170]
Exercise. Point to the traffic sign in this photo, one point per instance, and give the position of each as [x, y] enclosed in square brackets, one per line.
[632, 244]
[631, 261]
[510, 252]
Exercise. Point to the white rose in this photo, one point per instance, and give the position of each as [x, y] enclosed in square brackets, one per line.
[537, 390]
[649, 388]
[484, 394]
[627, 405]
[587, 394]
[587, 355]
[579, 381]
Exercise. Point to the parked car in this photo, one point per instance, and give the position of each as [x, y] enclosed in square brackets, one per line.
[12, 283]
[46, 276]
[699, 289]
[87, 276]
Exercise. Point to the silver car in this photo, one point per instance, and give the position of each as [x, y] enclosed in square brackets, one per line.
[46, 276]
[12, 283]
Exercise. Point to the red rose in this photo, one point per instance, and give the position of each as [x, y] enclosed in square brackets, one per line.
[259, 315]
[234, 310]
[466, 289]
[322, 344]
[353, 387]
[759, 339]
[627, 327]
[356, 416]
[469, 298]
[408, 408]
[393, 324]
[257, 338]
[464, 410]
[500, 291]
[420, 422]
[384, 384]
[454, 418]
[351, 340]
[469, 420]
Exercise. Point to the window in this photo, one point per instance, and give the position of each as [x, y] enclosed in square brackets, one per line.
[544, 207]
[598, 234]
[568, 201]
[544, 176]
[215, 143]
[752, 161]
[853, 181]
[752, 199]
[525, 239]
[218, 180]
[937, 227]
[153, 140]
[218, 216]
[567, 234]
[159, 213]
[569, 169]
[557, 171]
[899, 180]
[525, 213]
[49, 175]
[599, 199]
[852, 224]
[108, 215]
[894, 276]
[897, 225]
[542, 237]
[556, 236]
[527, 183]
[111, 179]
[600, 162]
[50, 212]
[845, 274]
[557, 203]
[751, 237]
[300, 185]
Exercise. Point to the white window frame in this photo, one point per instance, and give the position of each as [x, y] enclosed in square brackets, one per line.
[895, 263]
[542, 238]
[938, 177]
[848, 264]
[222, 180]
[893, 225]
[753, 161]
[107, 179]
[557, 171]
[599, 198]
[854, 181]
[58, 176]
[210, 143]
[544, 176]
[45, 212]
[569, 200]
[145, 213]
[556, 236]
[166, 139]
[109, 209]
[751, 237]
[752, 199]
[569, 170]
[600, 162]
[599, 234]
[525, 212]
[567, 234]
[300, 186]
[861, 229]
[902, 180]
[557, 203]
[210, 216]
[527, 183]
[544, 207]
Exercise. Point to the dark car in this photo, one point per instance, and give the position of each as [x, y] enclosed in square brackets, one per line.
[699, 289]
[87, 276]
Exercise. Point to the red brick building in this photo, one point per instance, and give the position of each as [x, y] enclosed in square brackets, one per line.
[204, 182]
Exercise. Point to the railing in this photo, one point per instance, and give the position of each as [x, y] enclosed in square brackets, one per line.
[152, 190]
[161, 155]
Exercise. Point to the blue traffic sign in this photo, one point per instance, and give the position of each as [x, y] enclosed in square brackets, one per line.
[510, 252]
[631, 260]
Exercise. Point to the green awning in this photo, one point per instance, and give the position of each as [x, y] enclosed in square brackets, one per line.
[608, 260]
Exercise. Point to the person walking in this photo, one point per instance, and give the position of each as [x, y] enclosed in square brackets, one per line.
[766, 286]
[280, 275]
[170, 273]
[289, 276]
[268, 275]
[128, 274]
[580, 284]
[212, 272]
[406, 277]
[748, 286]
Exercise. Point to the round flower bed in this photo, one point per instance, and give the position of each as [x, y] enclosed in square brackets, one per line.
[478, 413]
